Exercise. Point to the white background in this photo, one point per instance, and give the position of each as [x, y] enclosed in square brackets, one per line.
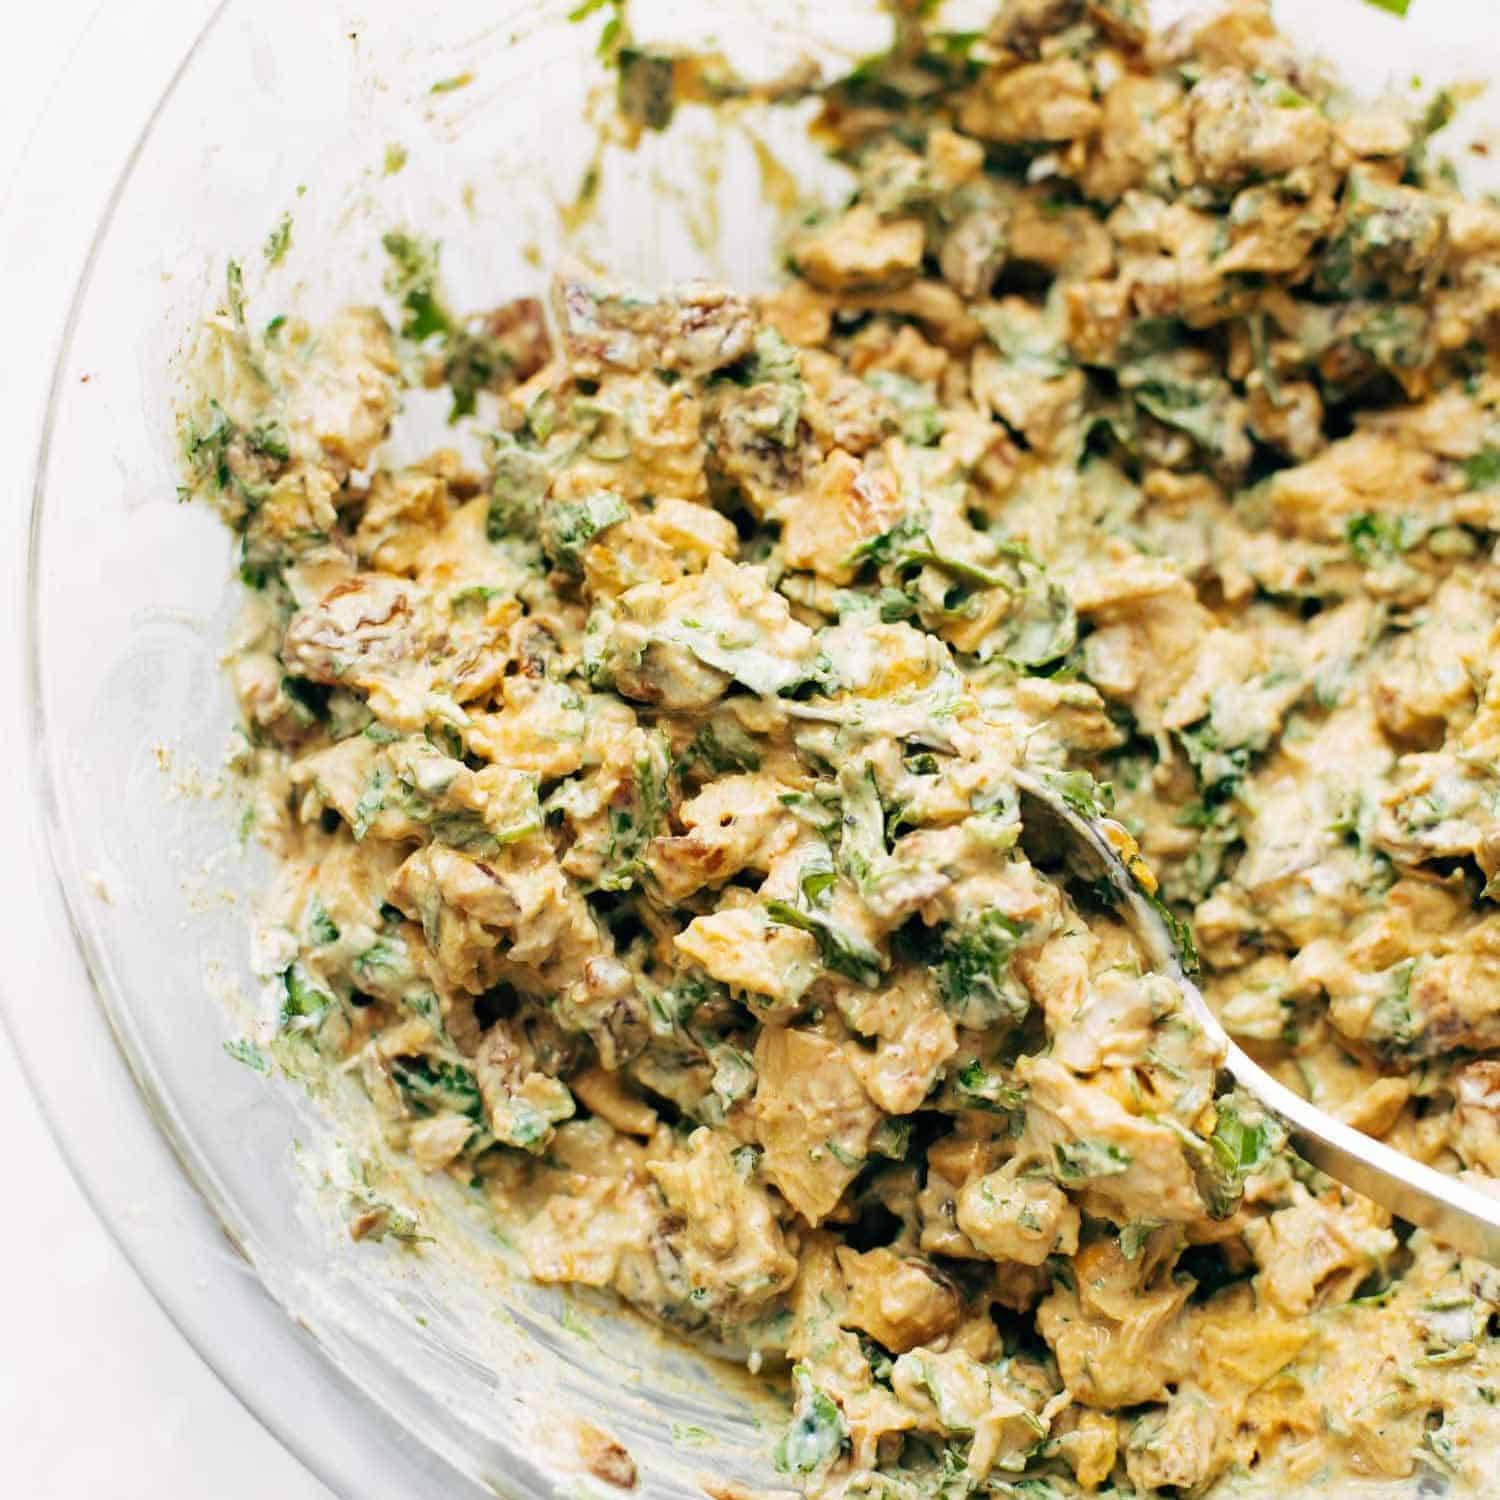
[100, 1397]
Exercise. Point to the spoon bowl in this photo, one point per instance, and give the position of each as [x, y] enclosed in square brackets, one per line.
[1453, 1210]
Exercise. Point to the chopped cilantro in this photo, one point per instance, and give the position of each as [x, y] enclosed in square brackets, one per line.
[469, 832]
[842, 951]
[279, 241]
[638, 818]
[1482, 471]
[1218, 767]
[978, 1088]
[433, 1086]
[1087, 1161]
[472, 361]
[1242, 1143]
[973, 972]
[207, 447]
[371, 802]
[892, 1139]
[321, 928]
[721, 747]
[234, 287]
[774, 368]
[817, 1431]
[1085, 796]
[908, 544]
[842, 1157]
[302, 999]
[613, 29]
[476, 598]
[817, 880]
[242, 1050]
[270, 440]
[1379, 538]
[1394, 1024]
[519, 486]
[916, 406]
[413, 281]
[1134, 1235]
[568, 526]
[1179, 929]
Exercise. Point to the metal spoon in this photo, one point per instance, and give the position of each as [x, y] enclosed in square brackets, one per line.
[1462, 1216]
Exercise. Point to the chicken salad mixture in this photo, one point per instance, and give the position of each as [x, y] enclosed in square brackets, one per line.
[646, 798]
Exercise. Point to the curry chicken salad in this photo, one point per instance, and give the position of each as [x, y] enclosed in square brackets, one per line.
[646, 799]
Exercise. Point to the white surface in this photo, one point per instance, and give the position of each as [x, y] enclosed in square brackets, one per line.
[100, 1397]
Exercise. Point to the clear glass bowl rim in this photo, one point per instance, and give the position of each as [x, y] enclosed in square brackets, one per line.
[217, 1302]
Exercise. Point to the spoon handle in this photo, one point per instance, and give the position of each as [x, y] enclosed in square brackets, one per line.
[1456, 1212]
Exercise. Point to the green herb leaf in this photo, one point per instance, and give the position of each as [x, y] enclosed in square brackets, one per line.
[234, 285]
[518, 488]
[279, 241]
[1218, 767]
[817, 880]
[637, 820]
[723, 748]
[207, 448]
[1134, 1235]
[916, 405]
[817, 1431]
[1380, 538]
[1086, 1161]
[243, 1050]
[774, 369]
[568, 526]
[321, 928]
[892, 1139]
[908, 545]
[304, 1003]
[1087, 797]
[1483, 470]
[841, 951]
[412, 280]
[973, 973]
[371, 802]
[434, 1086]
[1394, 1024]
[473, 361]
[978, 1088]
[1243, 1141]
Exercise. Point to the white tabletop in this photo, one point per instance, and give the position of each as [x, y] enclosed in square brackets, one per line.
[100, 1397]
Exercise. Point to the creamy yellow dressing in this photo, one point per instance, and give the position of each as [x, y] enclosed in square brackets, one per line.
[646, 801]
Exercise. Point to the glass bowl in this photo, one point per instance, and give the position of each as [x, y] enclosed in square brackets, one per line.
[391, 1372]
